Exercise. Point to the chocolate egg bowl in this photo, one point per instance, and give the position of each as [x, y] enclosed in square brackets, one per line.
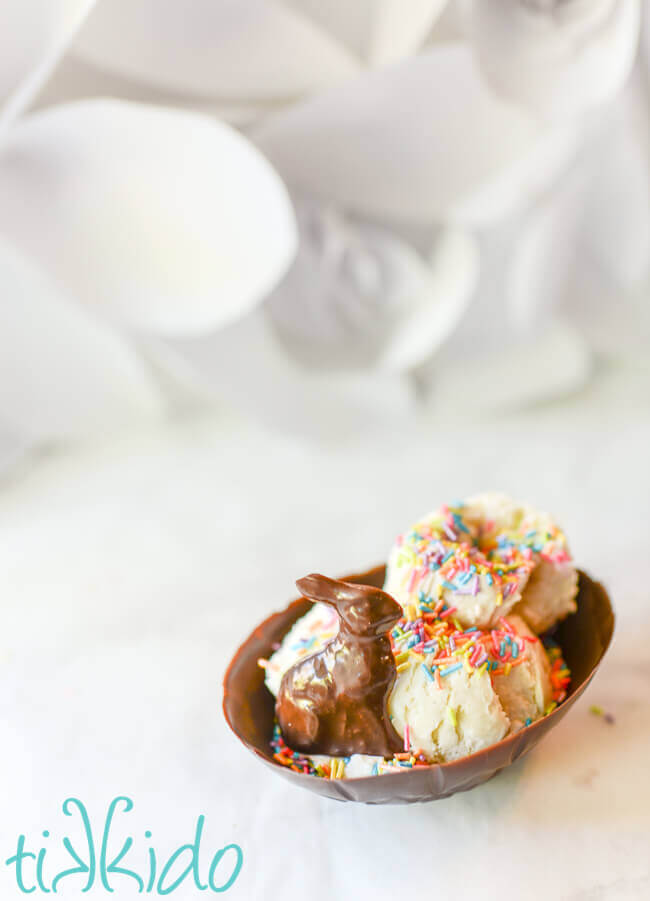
[249, 707]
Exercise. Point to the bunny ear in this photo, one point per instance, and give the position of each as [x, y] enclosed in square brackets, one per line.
[348, 600]
[362, 607]
[315, 587]
[322, 589]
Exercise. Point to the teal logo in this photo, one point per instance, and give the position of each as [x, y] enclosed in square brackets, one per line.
[94, 866]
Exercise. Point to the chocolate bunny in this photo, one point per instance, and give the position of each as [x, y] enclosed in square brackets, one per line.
[334, 702]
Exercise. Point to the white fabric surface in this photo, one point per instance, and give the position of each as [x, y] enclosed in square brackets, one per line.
[131, 572]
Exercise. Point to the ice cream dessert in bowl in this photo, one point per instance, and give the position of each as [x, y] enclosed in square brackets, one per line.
[425, 677]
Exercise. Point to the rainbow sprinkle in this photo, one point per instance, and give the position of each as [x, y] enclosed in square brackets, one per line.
[598, 711]
[283, 754]
[560, 673]
[429, 635]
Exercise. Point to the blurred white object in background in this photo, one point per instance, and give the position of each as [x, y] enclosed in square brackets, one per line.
[163, 220]
[252, 50]
[422, 141]
[34, 34]
[62, 373]
[377, 31]
[244, 367]
[244, 49]
[608, 284]
[514, 346]
[557, 57]
[449, 152]
[113, 214]
[616, 208]
[331, 351]
[555, 362]
[358, 297]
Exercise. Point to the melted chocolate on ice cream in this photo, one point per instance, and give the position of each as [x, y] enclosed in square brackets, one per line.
[334, 702]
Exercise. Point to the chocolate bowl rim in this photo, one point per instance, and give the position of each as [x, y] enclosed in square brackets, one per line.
[447, 766]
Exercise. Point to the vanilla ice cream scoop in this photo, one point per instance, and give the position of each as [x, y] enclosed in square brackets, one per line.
[441, 558]
[485, 557]
[548, 595]
[460, 716]
[524, 690]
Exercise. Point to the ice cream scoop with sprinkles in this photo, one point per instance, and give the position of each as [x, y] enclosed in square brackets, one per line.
[486, 556]
[441, 559]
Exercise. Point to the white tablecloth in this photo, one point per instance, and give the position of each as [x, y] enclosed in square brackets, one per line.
[130, 573]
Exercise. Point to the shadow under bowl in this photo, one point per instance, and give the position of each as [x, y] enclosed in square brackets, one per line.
[584, 637]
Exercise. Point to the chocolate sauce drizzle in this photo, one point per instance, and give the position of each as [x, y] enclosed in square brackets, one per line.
[335, 701]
